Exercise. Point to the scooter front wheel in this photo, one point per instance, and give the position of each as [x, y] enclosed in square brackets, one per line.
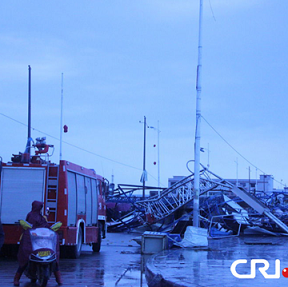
[44, 275]
[43, 282]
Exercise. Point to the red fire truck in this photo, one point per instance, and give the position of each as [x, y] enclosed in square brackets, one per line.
[73, 195]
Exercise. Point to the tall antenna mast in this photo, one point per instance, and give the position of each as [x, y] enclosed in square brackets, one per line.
[27, 151]
[198, 122]
[61, 118]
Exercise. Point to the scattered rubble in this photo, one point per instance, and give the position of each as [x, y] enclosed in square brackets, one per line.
[225, 210]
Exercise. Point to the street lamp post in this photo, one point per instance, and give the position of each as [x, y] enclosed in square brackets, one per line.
[144, 173]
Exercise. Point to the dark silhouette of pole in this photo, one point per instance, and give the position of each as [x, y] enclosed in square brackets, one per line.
[144, 158]
[29, 112]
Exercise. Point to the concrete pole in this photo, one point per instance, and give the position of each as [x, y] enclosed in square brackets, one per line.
[198, 122]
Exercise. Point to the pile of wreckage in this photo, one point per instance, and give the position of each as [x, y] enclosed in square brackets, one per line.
[225, 209]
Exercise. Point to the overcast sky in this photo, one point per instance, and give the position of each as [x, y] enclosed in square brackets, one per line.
[123, 60]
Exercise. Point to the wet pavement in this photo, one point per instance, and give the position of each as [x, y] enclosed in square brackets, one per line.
[211, 266]
[119, 263]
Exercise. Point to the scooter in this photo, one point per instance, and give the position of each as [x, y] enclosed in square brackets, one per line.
[42, 260]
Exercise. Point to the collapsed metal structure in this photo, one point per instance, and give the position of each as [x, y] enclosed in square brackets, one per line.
[223, 207]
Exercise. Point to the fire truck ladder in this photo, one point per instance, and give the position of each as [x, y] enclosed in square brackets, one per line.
[52, 192]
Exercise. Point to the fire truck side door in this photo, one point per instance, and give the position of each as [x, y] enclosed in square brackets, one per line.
[20, 186]
[81, 195]
[88, 201]
[94, 202]
[71, 198]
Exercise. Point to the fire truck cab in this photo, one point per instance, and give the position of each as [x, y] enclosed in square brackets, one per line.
[71, 193]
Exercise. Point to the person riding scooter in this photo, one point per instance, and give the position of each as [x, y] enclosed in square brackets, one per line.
[35, 218]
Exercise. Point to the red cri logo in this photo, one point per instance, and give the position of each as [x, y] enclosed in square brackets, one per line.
[285, 272]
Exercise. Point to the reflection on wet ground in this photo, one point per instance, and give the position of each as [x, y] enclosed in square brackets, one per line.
[119, 263]
[211, 266]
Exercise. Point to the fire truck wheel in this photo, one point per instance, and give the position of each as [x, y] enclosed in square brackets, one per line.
[76, 249]
[97, 246]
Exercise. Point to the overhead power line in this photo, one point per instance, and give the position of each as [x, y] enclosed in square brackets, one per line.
[237, 150]
[75, 146]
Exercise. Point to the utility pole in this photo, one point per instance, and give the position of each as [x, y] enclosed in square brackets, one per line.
[198, 122]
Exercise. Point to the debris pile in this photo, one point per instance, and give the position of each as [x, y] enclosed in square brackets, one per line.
[225, 210]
